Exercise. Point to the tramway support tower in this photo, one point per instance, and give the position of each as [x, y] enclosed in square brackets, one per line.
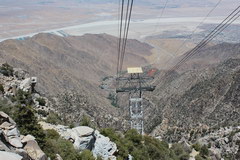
[135, 84]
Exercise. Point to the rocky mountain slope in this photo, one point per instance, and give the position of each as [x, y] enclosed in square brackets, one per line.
[200, 98]
[75, 65]
[24, 138]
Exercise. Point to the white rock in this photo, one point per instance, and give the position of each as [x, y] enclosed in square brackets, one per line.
[27, 138]
[104, 147]
[23, 153]
[25, 85]
[34, 151]
[83, 131]
[82, 136]
[6, 125]
[16, 142]
[14, 132]
[81, 143]
[9, 156]
[58, 157]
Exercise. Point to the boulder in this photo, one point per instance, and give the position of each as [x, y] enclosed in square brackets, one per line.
[15, 142]
[82, 137]
[5, 118]
[9, 156]
[3, 147]
[83, 131]
[34, 151]
[25, 85]
[13, 133]
[27, 138]
[7, 125]
[20, 73]
[23, 153]
[104, 147]
[81, 143]
[58, 157]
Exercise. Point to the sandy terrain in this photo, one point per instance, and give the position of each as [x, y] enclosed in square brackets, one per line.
[76, 17]
[139, 29]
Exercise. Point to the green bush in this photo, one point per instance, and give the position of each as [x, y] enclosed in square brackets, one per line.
[198, 157]
[1, 88]
[28, 124]
[113, 98]
[53, 118]
[196, 146]
[52, 134]
[62, 147]
[41, 101]
[6, 70]
[204, 152]
[42, 112]
[85, 121]
[142, 147]
[86, 155]
[57, 145]
[6, 108]
[23, 97]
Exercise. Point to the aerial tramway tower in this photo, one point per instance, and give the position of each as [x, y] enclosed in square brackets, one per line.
[135, 84]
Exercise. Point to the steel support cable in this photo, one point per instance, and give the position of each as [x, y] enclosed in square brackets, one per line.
[211, 35]
[205, 43]
[213, 31]
[200, 47]
[124, 34]
[129, 19]
[119, 13]
[159, 18]
[219, 28]
[171, 70]
[209, 13]
[120, 39]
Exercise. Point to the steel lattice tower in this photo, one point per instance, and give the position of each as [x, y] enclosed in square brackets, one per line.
[135, 84]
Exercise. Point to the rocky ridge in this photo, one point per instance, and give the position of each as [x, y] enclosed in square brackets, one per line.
[13, 145]
[84, 137]
[16, 146]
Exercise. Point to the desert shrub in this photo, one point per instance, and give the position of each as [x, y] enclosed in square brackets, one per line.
[6, 107]
[42, 112]
[198, 157]
[57, 145]
[23, 97]
[86, 155]
[133, 136]
[52, 134]
[204, 152]
[141, 147]
[1, 88]
[6, 70]
[85, 121]
[28, 124]
[196, 146]
[41, 101]
[112, 98]
[180, 152]
[124, 145]
[183, 156]
[71, 125]
[62, 147]
[53, 118]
